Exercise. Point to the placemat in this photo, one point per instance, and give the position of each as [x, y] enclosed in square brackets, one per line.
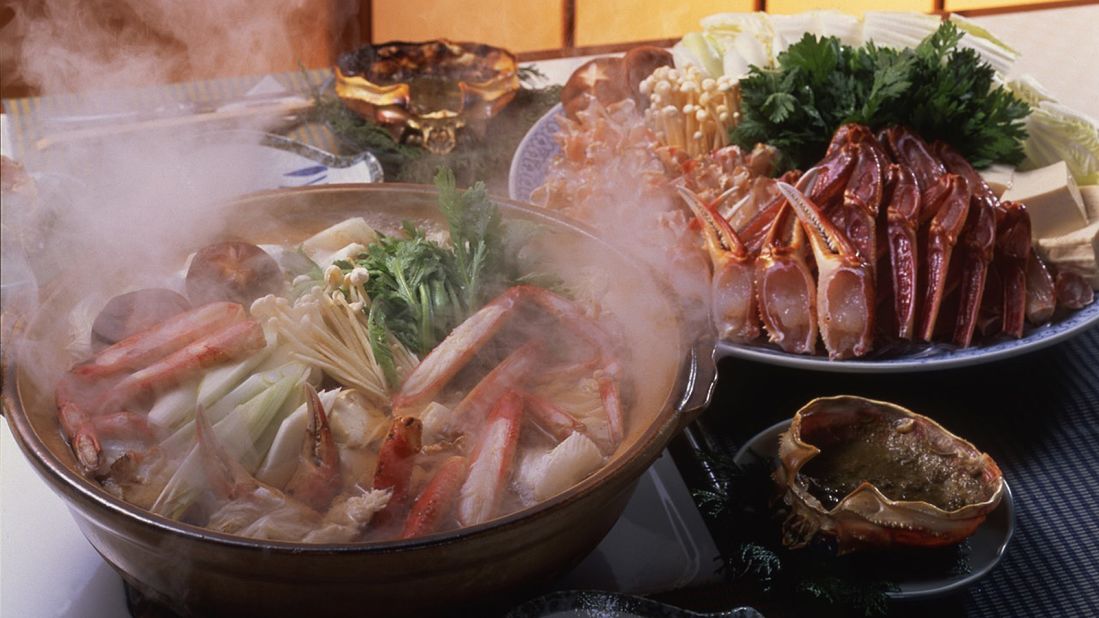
[1037, 415]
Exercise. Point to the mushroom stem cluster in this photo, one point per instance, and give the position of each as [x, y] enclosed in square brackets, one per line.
[690, 111]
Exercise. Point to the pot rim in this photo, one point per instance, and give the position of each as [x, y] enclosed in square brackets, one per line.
[692, 387]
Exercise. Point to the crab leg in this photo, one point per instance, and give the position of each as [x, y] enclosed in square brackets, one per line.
[234, 341]
[1012, 252]
[902, 216]
[552, 419]
[857, 214]
[1041, 294]
[978, 242]
[226, 476]
[456, 350]
[509, 374]
[732, 285]
[87, 433]
[907, 148]
[491, 462]
[317, 478]
[845, 283]
[158, 341]
[437, 499]
[395, 459]
[950, 209]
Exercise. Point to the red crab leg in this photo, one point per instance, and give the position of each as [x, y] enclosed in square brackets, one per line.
[491, 462]
[902, 216]
[907, 148]
[754, 232]
[456, 350]
[395, 459]
[845, 284]
[856, 215]
[978, 242]
[143, 348]
[509, 374]
[1012, 252]
[317, 480]
[1041, 294]
[86, 433]
[437, 499]
[950, 211]
[234, 341]
[552, 419]
[732, 285]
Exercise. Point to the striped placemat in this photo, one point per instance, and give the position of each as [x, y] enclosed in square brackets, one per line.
[26, 116]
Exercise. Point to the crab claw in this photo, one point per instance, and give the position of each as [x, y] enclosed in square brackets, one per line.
[787, 304]
[395, 458]
[845, 283]
[317, 479]
[88, 434]
[225, 475]
[733, 290]
[948, 209]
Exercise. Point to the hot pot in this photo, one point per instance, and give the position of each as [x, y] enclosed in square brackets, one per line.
[198, 572]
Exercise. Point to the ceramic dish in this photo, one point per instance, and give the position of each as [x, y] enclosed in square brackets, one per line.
[206, 573]
[528, 172]
[985, 548]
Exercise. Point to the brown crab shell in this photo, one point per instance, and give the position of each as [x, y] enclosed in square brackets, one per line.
[866, 518]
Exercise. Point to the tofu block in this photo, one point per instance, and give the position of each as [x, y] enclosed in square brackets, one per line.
[1053, 199]
[1090, 193]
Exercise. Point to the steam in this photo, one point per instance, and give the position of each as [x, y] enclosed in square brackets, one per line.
[122, 213]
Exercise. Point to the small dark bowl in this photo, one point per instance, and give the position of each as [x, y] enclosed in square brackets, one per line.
[198, 572]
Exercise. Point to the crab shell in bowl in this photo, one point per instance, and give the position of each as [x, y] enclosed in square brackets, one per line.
[872, 474]
[199, 572]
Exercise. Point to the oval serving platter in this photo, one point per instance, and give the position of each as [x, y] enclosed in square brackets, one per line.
[528, 172]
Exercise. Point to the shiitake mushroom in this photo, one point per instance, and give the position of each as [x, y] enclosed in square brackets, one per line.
[130, 313]
[233, 271]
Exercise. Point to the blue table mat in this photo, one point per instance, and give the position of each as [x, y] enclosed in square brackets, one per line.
[1037, 415]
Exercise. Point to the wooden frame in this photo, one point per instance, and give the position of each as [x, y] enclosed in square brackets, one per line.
[568, 27]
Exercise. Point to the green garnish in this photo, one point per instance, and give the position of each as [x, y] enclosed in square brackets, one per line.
[938, 89]
[420, 290]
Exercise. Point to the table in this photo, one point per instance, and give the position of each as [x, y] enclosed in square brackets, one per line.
[1037, 415]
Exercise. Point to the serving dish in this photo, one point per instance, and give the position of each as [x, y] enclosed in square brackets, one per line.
[985, 547]
[528, 171]
[207, 573]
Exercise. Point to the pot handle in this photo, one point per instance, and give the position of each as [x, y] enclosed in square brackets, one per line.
[700, 371]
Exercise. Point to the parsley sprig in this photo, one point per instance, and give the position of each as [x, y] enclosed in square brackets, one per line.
[421, 289]
[940, 90]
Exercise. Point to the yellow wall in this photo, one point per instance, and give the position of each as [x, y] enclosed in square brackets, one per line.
[856, 7]
[604, 22]
[518, 25]
[965, 5]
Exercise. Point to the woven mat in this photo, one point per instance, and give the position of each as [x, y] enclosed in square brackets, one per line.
[1037, 415]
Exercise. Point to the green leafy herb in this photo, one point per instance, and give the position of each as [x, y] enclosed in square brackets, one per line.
[420, 289]
[940, 90]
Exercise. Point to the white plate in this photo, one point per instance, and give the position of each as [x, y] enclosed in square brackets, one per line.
[528, 172]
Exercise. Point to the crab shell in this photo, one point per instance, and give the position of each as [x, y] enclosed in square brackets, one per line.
[866, 518]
